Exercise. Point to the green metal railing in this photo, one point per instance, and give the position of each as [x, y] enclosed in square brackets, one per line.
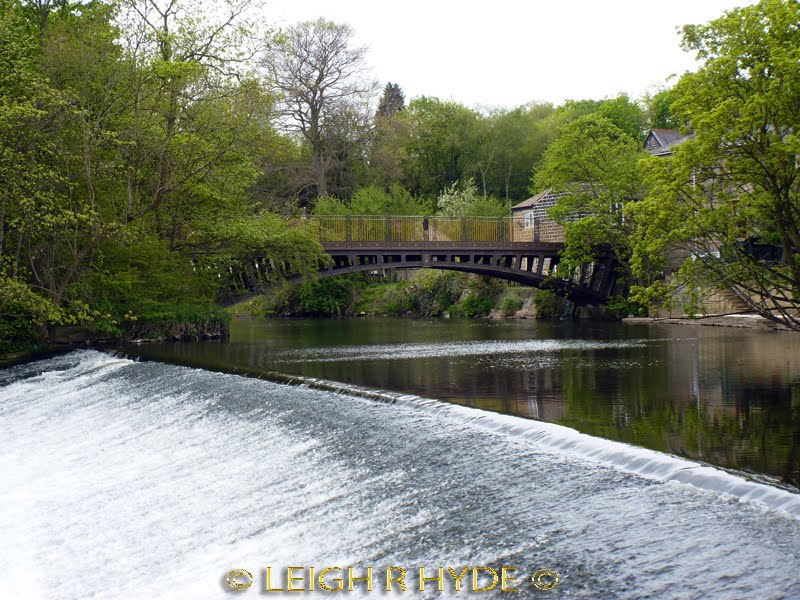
[415, 229]
[496, 230]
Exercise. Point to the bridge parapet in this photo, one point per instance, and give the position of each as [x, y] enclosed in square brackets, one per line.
[352, 231]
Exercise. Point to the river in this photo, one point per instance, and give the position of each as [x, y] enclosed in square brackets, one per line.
[630, 461]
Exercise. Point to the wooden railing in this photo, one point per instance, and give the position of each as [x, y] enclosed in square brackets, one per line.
[496, 230]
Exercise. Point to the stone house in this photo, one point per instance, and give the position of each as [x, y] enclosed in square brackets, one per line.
[531, 223]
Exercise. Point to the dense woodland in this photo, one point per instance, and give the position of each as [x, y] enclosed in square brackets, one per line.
[147, 145]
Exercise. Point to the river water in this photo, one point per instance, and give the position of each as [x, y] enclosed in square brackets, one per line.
[142, 479]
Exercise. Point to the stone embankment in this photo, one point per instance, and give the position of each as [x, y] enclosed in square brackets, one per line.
[741, 320]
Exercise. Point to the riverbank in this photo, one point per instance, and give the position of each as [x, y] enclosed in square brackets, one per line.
[741, 320]
[175, 325]
[425, 293]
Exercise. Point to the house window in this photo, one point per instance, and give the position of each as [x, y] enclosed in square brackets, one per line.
[529, 220]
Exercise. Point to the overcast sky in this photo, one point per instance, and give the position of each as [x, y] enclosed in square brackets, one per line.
[503, 53]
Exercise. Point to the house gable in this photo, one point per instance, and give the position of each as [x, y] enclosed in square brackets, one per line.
[662, 142]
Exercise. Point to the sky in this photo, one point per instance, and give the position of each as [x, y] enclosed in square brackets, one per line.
[503, 53]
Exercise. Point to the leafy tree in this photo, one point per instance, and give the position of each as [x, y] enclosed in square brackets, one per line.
[728, 194]
[41, 10]
[442, 146]
[43, 229]
[397, 201]
[328, 206]
[433, 144]
[626, 114]
[659, 110]
[462, 199]
[519, 138]
[595, 163]
[143, 132]
[373, 200]
[320, 74]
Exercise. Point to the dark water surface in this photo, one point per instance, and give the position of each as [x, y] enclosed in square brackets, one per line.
[727, 397]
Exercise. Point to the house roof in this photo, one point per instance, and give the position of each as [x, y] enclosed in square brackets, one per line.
[533, 200]
[664, 137]
[660, 142]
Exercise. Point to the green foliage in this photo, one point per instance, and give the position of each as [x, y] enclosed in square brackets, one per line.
[187, 321]
[326, 206]
[659, 110]
[548, 304]
[373, 200]
[476, 305]
[513, 144]
[18, 331]
[396, 302]
[385, 299]
[626, 114]
[140, 146]
[624, 307]
[392, 101]
[444, 143]
[510, 304]
[435, 292]
[462, 199]
[738, 181]
[441, 147]
[332, 296]
[595, 162]
[397, 201]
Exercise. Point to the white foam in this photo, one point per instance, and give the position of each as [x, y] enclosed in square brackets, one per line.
[646, 463]
[468, 348]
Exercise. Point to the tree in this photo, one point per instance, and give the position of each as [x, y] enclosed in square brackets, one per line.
[40, 11]
[623, 112]
[392, 101]
[320, 75]
[729, 199]
[595, 163]
[143, 132]
[514, 146]
[462, 199]
[389, 138]
[442, 146]
[659, 110]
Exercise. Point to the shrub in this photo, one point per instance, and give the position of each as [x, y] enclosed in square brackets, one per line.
[395, 301]
[623, 307]
[331, 296]
[510, 304]
[548, 304]
[436, 292]
[475, 305]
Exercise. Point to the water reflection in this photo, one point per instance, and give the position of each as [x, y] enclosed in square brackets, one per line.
[725, 396]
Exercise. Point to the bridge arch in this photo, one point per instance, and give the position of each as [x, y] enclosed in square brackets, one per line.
[495, 247]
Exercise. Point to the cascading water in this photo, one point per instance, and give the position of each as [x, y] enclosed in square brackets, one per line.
[124, 479]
